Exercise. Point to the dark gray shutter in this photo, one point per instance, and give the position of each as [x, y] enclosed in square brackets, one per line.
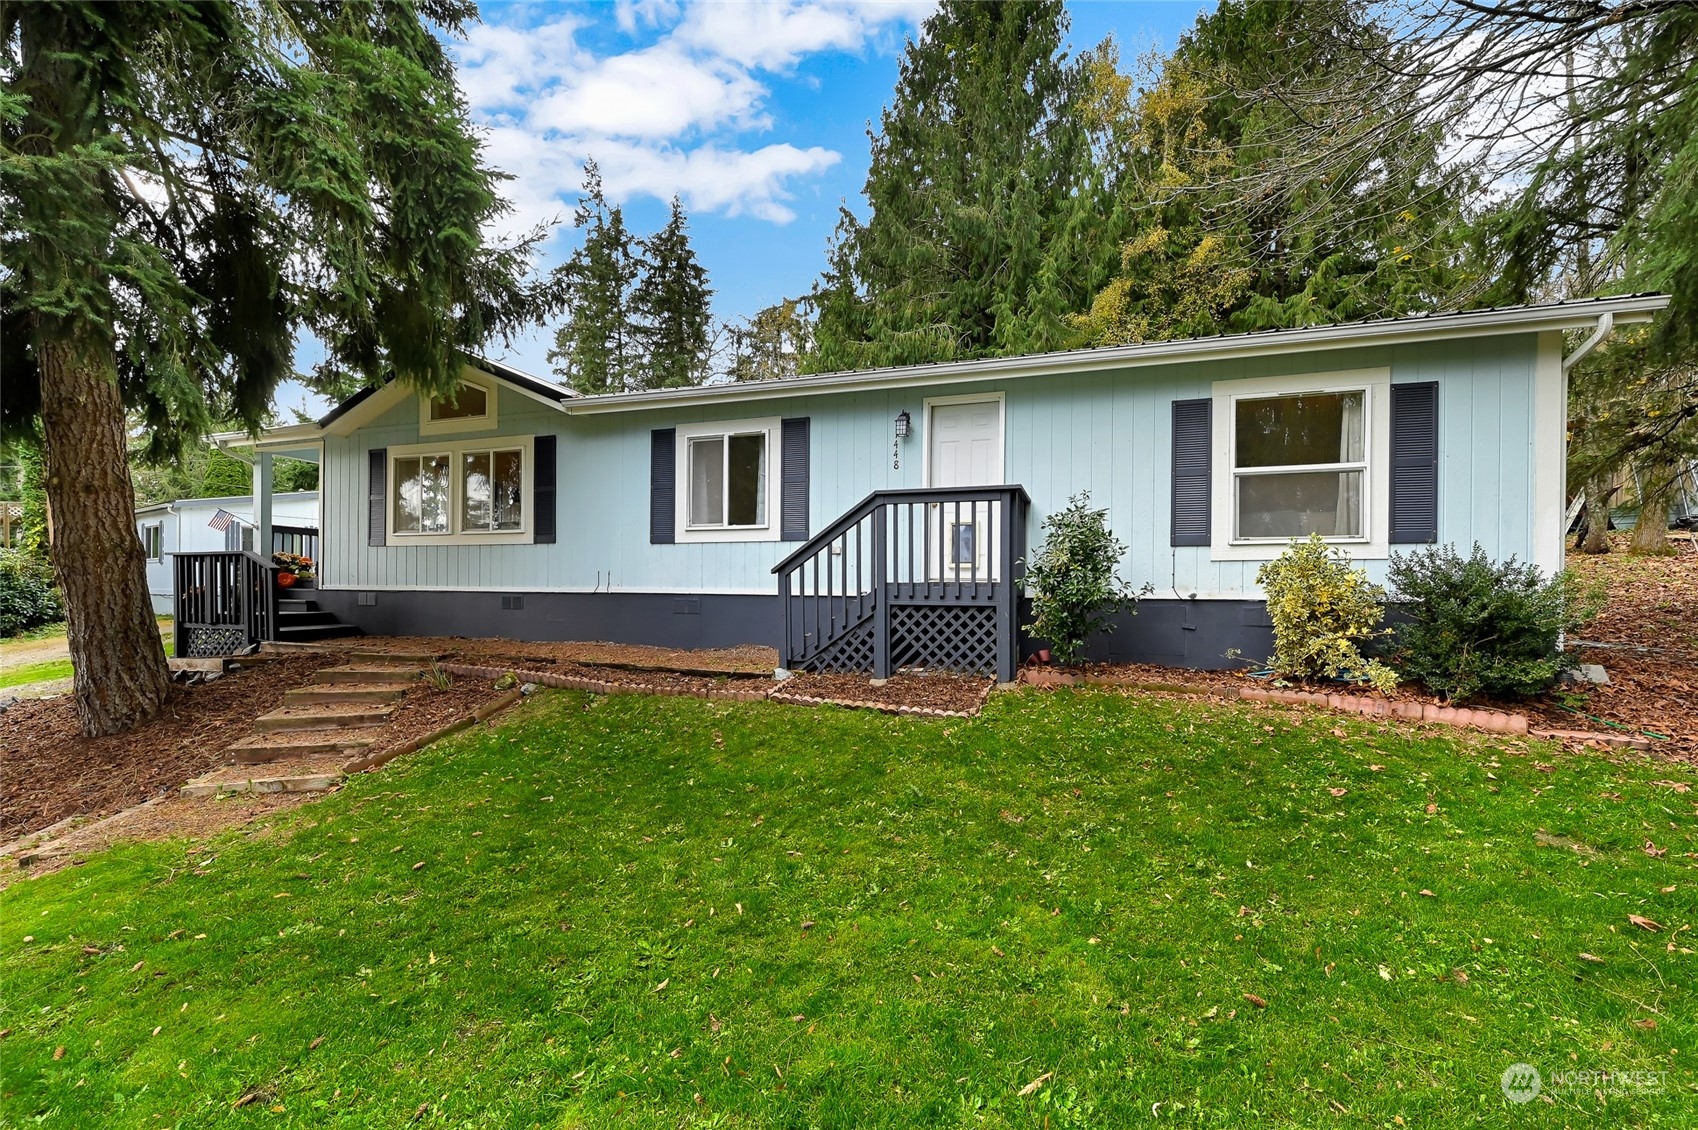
[663, 485]
[377, 518]
[1415, 463]
[793, 492]
[1192, 445]
[542, 497]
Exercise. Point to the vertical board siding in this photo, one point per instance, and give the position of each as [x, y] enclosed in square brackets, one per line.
[1109, 433]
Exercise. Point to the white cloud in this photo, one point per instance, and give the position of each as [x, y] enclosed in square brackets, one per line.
[670, 116]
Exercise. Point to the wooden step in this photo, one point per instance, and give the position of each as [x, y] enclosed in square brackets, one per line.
[313, 632]
[301, 783]
[324, 717]
[343, 692]
[367, 673]
[357, 656]
[261, 748]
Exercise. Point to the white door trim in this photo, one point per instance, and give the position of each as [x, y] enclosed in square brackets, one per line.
[966, 398]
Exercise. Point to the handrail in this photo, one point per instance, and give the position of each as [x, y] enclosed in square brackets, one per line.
[905, 494]
[219, 593]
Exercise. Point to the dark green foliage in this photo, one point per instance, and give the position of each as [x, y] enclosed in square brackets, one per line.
[1073, 581]
[1239, 221]
[216, 178]
[211, 472]
[598, 349]
[772, 344]
[988, 223]
[670, 305]
[1476, 628]
[27, 596]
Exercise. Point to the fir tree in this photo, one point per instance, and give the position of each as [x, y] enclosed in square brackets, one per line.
[183, 188]
[670, 305]
[988, 222]
[598, 348]
[773, 344]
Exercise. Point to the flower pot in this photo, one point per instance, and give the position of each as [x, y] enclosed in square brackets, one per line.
[1043, 654]
[286, 580]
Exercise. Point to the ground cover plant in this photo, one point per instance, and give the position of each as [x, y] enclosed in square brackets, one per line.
[1077, 909]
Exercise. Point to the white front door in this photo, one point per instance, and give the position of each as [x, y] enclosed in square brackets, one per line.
[964, 450]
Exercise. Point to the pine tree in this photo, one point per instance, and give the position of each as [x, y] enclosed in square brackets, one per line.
[988, 221]
[183, 188]
[598, 347]
[670, 306]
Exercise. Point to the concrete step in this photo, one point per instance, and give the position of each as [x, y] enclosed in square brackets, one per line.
[311, 632]
[262, 748]
[303, 783]
[323, 717]
[342, 692]
[367, 655]
[367, 673]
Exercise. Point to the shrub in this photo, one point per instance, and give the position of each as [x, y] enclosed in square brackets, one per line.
[1477, 628]
[1322, 611]
[1072, 580]
[27, 597]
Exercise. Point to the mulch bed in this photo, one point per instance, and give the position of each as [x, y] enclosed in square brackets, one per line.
[933, 693]
[52, 771]
[520, 655]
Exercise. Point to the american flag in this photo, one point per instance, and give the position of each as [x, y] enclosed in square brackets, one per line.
[221, 519]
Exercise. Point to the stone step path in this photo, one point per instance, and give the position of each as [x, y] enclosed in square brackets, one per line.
[303, 745]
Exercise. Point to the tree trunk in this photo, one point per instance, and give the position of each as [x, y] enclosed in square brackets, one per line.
[1595, 536]
[121, 676]
[1650, 532]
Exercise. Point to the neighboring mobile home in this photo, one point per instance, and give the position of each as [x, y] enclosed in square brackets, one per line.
[187, 526]
[897, 503]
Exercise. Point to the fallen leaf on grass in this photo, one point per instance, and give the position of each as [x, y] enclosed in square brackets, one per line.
[137, 966]
[1645, 1023]
[1644, 923]
[660, 987]
[245, 1100]
[1032, 1087]
[1592, 957]
[996, 951]
[159, 1029]
[1432, 810]
[1255, 1000]
[1425, 893]
[419, 866]
[1677, 786]
[59, 1052]
[424, 1108]
[1652, 850]
[317, 1040]
[1338, 792]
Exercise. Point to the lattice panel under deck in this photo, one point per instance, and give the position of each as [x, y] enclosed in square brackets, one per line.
[950, 637]
[849, 653]
[208, 641]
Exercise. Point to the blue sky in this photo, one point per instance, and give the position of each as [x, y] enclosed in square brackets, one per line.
[754, 113]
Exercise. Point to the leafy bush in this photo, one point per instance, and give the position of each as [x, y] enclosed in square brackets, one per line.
[1072, 580]
[1322, 611]
[1477, 628]
[27, 597]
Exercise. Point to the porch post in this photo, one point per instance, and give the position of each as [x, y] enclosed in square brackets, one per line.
[262, 504]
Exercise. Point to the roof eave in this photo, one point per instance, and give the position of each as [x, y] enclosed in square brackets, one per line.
[1537, 319]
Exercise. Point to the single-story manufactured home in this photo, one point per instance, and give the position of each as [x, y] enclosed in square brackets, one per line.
[877, 520]
[200, 525]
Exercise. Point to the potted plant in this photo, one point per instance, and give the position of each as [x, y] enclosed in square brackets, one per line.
[292, 568]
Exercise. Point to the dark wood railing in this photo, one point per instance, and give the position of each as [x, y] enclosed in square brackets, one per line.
[302, 540]
[909, 579]
[225, 601]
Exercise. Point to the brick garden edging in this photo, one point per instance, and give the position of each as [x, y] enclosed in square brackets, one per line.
[1496, 721]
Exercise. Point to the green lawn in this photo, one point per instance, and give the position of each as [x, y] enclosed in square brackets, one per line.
[60, 668]
[629, 911]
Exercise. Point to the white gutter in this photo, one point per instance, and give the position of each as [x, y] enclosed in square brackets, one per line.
[1606, 323]
[1557, 316]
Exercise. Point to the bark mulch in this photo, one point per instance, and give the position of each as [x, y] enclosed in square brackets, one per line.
[52, 771]
[521, 655]
[935, 693]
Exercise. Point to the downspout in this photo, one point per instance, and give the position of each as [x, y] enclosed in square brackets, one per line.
[1606, 323]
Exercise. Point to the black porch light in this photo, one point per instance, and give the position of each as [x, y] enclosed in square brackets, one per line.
[902, 424]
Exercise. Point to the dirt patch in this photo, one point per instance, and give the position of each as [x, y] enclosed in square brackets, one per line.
[746, 660]
[52, 771]
[932, 693]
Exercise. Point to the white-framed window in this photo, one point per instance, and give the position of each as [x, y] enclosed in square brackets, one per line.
[153, 540]
[1302, 455]
[460, 493]
[728, 481]
[470, 408]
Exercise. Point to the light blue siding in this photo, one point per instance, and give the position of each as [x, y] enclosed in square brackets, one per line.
[1107, 433]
